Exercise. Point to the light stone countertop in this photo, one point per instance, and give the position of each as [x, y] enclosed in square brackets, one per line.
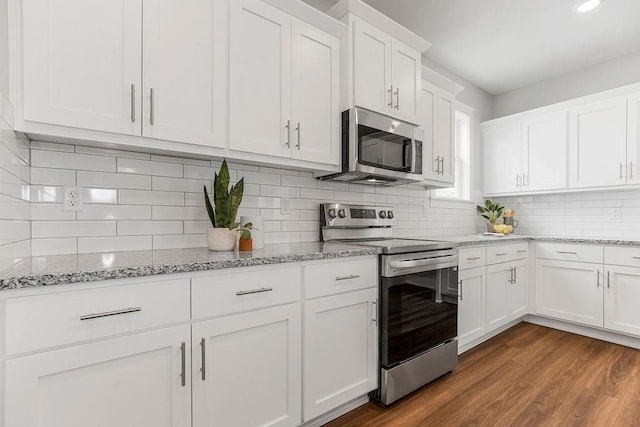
[64, 269]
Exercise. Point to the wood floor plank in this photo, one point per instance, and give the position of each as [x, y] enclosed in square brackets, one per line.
[527, 376]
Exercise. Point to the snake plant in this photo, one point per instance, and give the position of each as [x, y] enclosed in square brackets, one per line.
[227, 201]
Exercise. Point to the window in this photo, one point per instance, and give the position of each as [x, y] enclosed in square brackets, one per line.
[462, 189]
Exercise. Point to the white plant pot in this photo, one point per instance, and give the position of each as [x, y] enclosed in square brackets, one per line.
[222, 239]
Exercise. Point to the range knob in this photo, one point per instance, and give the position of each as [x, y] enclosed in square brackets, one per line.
[390, 214]
[332, 213]
[342, 213]
[382, 214]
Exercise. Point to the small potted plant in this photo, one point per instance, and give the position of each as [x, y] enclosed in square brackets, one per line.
[245, 243]
[223, 236]
[491, 211]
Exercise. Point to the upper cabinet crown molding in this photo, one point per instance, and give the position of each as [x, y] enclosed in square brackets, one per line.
[310, 15]
[379, 20]
[441, 81]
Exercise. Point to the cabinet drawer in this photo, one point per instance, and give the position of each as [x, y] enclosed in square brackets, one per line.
[244, 291]
[472, 257]
[42, 321]
[622, 255]
[504, 253]
[335, 277]
[570, 252]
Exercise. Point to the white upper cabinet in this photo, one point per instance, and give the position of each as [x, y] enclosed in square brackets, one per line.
[406, 67]
[82, 64]
[315, 93]
[437, 118]
[259, 78]
[428, 107]
[544, 152]
[502, 157]
[633, 139]
[598, 143]
[283, 85]
[178, 85]
[372, 68]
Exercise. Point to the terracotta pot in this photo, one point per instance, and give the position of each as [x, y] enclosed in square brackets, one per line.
[221, 239]
[245, 244]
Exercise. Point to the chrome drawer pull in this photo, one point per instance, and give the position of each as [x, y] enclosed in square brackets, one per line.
[636, 257]
[566, 252]
[253, 291]
[110, 313]
[352, 276]
[503, 254]
[183, 364]
[522, 251]
[204, 359]
[474, 258]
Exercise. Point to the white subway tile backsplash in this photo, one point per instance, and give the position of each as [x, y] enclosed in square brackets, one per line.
[183, 213]
[259, 178]
[145, 228]
[64, 160]
[50, 212]
[11, 208]
[41, 247]
[144, 167]
[100, 195]
[113, 180]
[279, 191]
[196, 227]
[115, 212]
[48, 176]
[180, 160]
[49, 229]
[114, 244]
[200, 172]
[112, 153]
[40, 145]
[301, 226]
[152, 198]
[46, 194]
[178, 184]
[180, 241]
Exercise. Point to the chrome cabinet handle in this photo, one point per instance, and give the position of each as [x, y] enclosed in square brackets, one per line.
[517, 180]
[110, 313]
[630, 170]
[390, 91]
[460, 283]
[524, 251]
[598, 279]
[374, 308]
[298, 129]
[133, 103]
[475, 258]
[183, 363]
[620, 170]
[152, 106]
[442, 168]
[608, 280]
[397, 99]
[501, 254]
[352, 276]
[636, 257]
[288, 128]
[515, 275]
[566, 252]
[525, 180]
[253, 291]
[438, 165]
[203, 355]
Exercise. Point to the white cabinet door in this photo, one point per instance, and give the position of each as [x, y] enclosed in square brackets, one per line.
[598, 144]
[472, 305]
[621, 298]
[81, 63]
[406, 77]
[340, 350]
[259, 78]
[372, 68]
[246, 369]
[633, 139]
[544, 152]
[139, 380]
[315, 133]
[502, 157]
[498, 277]
[445, 134]
[428, 107]
[178, 68]
[570, 291]
[518, 291]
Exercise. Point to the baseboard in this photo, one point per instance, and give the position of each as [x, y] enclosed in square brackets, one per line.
[338, 412]
[587, 331]
[469, 346]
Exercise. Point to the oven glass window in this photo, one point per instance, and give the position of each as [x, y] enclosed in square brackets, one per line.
[419, 312]
[383, 149]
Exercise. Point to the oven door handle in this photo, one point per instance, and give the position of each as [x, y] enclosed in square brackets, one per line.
[429, 262]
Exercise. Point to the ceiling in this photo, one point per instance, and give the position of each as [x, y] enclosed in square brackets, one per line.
[500, 45]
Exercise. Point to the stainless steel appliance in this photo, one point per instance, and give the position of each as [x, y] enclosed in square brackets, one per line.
[418, 297]
[378, 150]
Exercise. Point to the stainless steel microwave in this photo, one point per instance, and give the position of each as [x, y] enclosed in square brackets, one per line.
[378, 150]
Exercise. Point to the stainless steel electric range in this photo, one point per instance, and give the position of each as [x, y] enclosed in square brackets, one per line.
[418, 297]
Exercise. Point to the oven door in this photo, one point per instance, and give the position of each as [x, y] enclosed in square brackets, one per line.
[419, 311]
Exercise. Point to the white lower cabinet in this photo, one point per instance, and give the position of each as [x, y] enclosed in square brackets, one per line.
[472, 305]
[96, 384]
[506, 293]
[247, 369]
[570, 291]
[340, 350]
[621, 297]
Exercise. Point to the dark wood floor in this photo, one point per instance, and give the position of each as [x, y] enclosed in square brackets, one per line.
[527, 376]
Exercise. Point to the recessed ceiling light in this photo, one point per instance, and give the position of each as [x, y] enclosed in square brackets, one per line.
[587, 5]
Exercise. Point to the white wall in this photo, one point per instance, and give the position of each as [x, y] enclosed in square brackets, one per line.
[4, 49]
[607, 75]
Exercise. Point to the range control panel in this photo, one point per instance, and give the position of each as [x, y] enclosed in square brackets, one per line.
[355, 216]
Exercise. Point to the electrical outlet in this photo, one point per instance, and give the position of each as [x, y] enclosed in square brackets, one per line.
[72, 199]
[617, 214]
[285, 207]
